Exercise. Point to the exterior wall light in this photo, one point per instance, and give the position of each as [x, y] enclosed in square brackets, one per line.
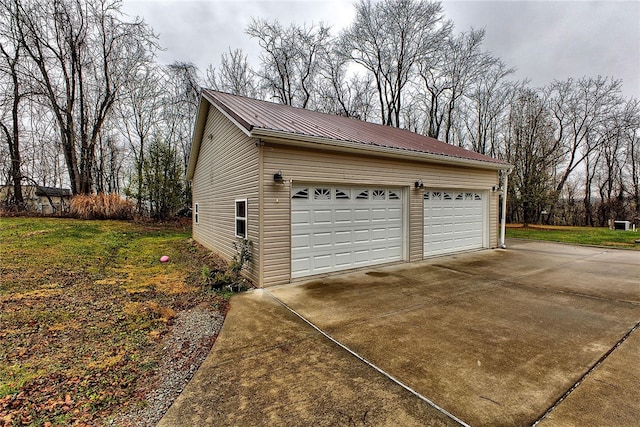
[418, 184]
[277, 177]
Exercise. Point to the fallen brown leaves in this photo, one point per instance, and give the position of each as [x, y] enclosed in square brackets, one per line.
[76, 346]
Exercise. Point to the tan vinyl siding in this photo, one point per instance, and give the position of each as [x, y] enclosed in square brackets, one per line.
[306, 166]
[494, 219]
[416, 222]
[226, 170]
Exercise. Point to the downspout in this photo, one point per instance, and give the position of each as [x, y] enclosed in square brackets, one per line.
[503, 217]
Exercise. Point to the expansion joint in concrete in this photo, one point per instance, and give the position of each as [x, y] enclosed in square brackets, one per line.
[370, 364]
[586, 374]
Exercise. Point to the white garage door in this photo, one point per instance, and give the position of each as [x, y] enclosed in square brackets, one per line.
[337, 228]
[453, 221]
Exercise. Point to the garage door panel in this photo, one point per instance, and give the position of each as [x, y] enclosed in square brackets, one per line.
[453, 221]
[300, 216]
[343, 237]
[394, 234]
[361, 256]
[300, 265]
[379, 234]
[343, 259]
[301, 241]
[394, 215]
[361, 236]
[321, 240]
[361, 215]
[321, 261]
[395, 252]
[343, 216]
[378, 254]
[379, 214]
[340, 228]
[321, 216]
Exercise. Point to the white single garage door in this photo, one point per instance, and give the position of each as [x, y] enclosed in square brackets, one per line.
[453, 221]
[337, 228]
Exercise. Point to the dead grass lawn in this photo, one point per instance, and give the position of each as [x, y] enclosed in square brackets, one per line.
[84, 309]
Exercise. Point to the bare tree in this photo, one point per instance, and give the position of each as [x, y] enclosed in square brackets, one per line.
[387, 39]
[182, 95]
[140, 111]
[533, 152]
[43, 159]
[485, 105]
[290, 59]
[83, 52]
[343, 94]
[447, 74]
[615, 176]
[109, 164]
[631, 136]
[579, 109]
[180, 104]
[234, 75]
[12, 93]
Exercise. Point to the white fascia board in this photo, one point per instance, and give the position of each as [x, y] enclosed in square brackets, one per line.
[231, 118]
[198, 130]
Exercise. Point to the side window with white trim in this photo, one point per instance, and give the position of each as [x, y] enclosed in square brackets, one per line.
[196, 213]
[241, 218]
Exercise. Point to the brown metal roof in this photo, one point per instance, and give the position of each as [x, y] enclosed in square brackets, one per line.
[253, 114]
[53, 192]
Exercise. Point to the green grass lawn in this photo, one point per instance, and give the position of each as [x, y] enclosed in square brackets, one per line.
[84, 308]
[597, 236]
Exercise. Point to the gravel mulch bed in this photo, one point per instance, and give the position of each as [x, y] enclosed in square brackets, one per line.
[187, 346]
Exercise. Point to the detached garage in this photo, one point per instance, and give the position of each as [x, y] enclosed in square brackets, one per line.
[317, 193]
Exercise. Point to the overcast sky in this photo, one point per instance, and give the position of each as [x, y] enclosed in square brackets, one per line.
[544, 40]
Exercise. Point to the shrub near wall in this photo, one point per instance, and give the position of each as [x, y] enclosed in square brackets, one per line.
[101, 206]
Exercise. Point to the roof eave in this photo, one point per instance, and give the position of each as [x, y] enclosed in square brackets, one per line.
[300, 140]
[198, 131]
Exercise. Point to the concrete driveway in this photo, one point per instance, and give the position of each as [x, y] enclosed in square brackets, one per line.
[538, 333]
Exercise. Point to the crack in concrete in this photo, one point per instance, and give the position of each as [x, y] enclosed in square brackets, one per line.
[490, 400]
[586, 374]
[262, 350]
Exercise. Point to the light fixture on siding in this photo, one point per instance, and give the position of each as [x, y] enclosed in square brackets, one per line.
[419, 184]
[277, 177]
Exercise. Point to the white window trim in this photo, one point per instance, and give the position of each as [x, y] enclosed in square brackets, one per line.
[245, 218]
[196, 213]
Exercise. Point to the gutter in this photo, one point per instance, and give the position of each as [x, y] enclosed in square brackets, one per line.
[286, 138]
